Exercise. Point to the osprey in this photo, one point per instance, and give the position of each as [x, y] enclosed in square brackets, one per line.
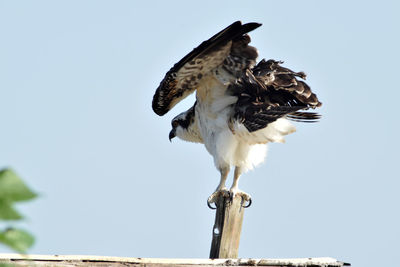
[240, 105]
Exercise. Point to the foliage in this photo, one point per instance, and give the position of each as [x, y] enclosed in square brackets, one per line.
[12, 190]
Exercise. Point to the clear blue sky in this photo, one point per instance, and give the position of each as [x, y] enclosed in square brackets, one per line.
[76, 84]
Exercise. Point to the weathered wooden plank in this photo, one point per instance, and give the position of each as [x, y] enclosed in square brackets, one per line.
[97, 261]
[227, 227]
[217, 228]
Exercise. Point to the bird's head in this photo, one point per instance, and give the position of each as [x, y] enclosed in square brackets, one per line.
[185, 127]
[179, 126]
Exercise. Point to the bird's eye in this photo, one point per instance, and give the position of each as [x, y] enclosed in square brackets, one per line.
[175, 124]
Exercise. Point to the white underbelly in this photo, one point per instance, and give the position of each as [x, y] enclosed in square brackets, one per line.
[232, 148]
[227, 149]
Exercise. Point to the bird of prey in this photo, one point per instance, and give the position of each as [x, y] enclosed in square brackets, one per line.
[240, 105]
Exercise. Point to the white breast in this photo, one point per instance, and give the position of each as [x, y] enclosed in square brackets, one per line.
[238, 147]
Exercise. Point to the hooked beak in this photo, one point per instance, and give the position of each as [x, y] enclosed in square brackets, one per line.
[172, 134]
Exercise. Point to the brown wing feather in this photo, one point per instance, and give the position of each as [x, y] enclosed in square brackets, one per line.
[181, 80]
[273, 75]
[269, 92]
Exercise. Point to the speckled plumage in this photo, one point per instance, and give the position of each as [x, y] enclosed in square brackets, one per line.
[240, 106]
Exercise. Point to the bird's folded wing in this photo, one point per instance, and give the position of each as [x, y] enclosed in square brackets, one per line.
[270, 92]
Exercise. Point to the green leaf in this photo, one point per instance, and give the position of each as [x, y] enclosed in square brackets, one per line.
[7, 212]
[12, 188]
[18, 240]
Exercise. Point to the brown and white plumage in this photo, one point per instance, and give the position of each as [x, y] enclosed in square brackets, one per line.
[223, 49]
[240, 106]
[268, 92]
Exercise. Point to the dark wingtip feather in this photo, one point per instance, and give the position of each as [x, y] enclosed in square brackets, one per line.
[246, 28]
[167, 90]
[250, 26]
[221, 37]
[304, 116]
[159, 110]
[231, 32]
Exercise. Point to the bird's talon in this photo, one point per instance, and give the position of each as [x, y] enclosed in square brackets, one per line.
[214, 197]
[244, 201]
[211, 207]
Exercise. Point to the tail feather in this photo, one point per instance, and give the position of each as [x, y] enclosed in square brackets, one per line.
[304, 116]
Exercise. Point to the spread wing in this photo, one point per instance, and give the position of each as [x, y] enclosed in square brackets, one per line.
[228, 48]
[270, 91]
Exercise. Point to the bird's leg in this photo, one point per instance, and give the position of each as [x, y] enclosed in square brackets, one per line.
[235, 186]
[221, 189]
